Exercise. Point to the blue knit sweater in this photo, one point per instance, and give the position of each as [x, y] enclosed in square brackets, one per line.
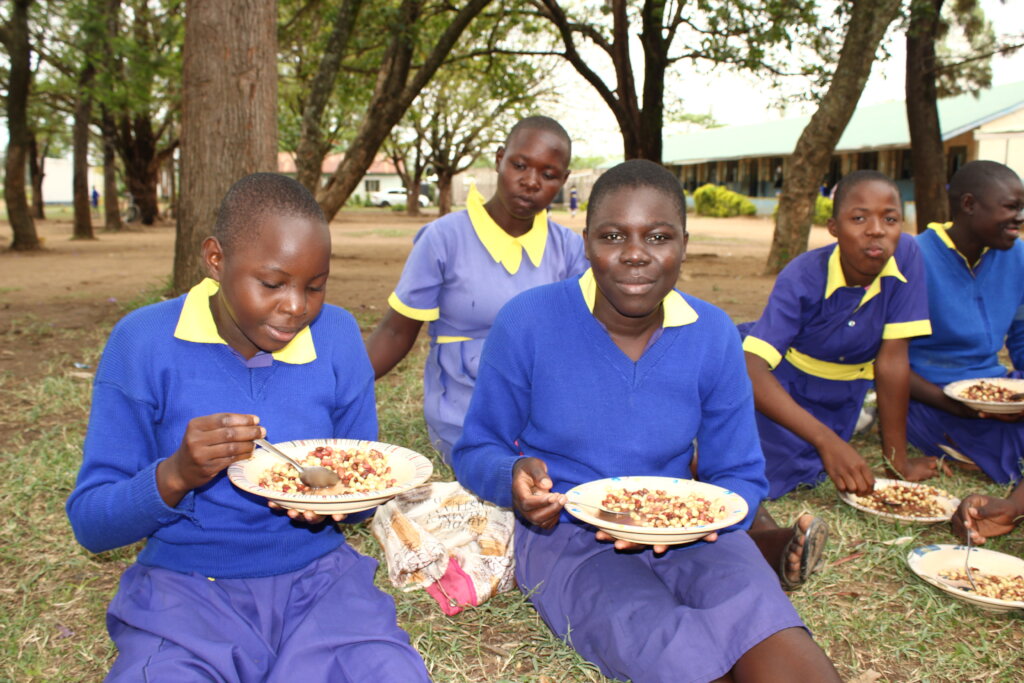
[148, 386]
[552, 379]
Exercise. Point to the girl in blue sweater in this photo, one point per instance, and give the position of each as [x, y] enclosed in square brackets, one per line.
[224, 588]
[618, 373]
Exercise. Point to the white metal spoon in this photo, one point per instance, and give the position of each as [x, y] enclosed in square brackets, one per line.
[313, 477]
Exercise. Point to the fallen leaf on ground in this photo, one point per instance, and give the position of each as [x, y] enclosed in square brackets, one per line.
[869, 676]
[848, 558]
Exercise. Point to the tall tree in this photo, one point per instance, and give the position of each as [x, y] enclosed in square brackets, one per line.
[807, 165]
[934, 71]
[411, 34]
[722, 31]
[229, 114]
[313, 144]
[469, 107]
[927, 157]
[14, 34]
[140, 92]
[409, 157]
[36, 173]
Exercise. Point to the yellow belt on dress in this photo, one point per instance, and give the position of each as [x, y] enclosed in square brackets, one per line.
[442, 339]
[844, 372]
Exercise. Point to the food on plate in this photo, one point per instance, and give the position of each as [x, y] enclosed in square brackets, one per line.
[998, 586]
[912, 501]
[658, 508]
[359, 471]
[986, 391]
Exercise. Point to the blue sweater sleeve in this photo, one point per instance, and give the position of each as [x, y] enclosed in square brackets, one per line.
[728, 449]
[484, 456]
[355, 408]
[116, 501]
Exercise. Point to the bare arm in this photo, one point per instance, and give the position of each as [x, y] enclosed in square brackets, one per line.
[932, 395]
[892, 382]
[844, 465]
[391, 341]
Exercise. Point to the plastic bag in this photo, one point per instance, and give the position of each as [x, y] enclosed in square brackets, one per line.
[442, 538]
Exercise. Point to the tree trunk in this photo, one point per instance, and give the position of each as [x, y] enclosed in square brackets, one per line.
[444, 192]
[111, 205]
[804, 169]
[641, 126]
[927, 156]
[412, 199]
[312, 147]
[229, 114]
[137, 144]
[36, 173]
[80, 160]
[394, 93]
[16, 40]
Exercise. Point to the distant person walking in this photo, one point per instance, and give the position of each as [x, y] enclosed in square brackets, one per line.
[94, 198]
[574, 201]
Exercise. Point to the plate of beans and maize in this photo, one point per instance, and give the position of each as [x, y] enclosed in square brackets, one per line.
[998, 584]
[655, 510]
[906, 501]
[1003, 395]
[370, 473]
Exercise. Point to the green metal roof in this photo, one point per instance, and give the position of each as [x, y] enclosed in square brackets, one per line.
[873, 127]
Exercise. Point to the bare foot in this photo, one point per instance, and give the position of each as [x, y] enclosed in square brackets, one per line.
[796, 547]
[803, 551]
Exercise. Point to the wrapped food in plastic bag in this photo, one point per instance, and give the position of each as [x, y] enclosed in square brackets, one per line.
[442, 538]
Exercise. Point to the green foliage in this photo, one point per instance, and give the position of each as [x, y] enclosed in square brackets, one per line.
[719, 202]
[965, 54]
[822, 211]
[587, 162]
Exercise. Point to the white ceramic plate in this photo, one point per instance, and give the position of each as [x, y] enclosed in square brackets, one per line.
[956, 389]
[410, 469]
[592, 493]
[949, 503]
[927, 561]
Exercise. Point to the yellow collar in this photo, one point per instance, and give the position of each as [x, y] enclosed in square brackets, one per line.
[196, 324]
[941, 229]
[677, 311]
[503, 247]
[835, 278]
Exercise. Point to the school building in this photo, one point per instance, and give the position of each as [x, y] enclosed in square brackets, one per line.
[380, 176]
[748, 159]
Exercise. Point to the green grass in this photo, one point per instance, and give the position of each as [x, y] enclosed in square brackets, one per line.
[869, 612]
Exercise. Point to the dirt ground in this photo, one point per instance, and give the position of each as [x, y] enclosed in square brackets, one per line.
[73, 284]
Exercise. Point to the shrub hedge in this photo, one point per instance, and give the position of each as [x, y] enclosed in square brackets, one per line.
[717, 201]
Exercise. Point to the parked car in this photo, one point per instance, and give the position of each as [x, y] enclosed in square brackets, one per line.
[395, 196]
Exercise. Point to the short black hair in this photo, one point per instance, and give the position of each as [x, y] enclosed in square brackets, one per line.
[974, 178]
[257, 196]
[539, 122]
[852, 180]
[635, 174]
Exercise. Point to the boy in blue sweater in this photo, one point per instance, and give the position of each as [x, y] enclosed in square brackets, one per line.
[226, 589]
[656, 370]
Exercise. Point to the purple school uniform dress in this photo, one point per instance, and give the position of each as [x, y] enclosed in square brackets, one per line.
[975, 312]
[462, 269]
[553, 381]
[820, 337]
